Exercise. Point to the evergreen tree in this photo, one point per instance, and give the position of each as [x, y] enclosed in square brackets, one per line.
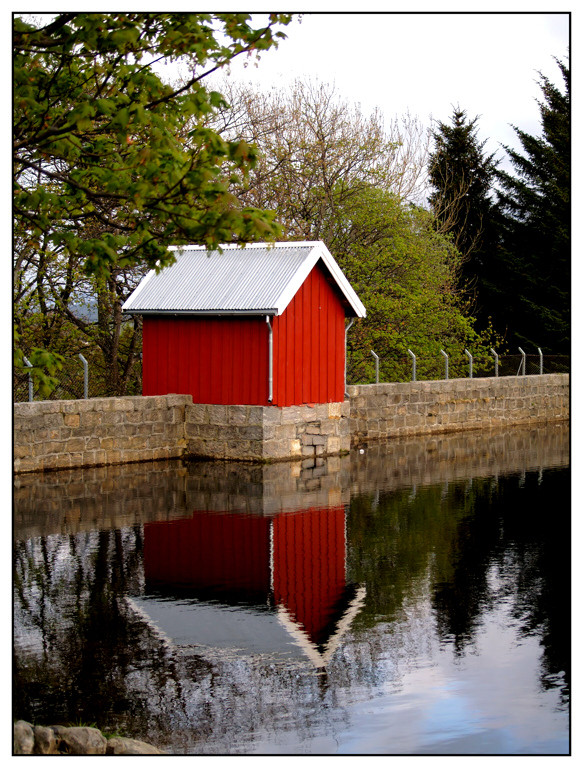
[534, 285]
[462, 174]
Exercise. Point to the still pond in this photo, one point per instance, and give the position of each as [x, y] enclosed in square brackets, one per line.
[411, 598]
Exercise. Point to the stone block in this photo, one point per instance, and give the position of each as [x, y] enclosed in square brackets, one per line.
[71, 419]
[196, 414]
[52, 420]
[295, 414]
[236, 415]
[255, 415]
[335, 410]
[296, 448]
[285, 432]
[271, 415]
[333, 445]
[123, 404]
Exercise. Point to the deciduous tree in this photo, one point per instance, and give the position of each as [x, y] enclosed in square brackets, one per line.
[102, 175]
[334, 174]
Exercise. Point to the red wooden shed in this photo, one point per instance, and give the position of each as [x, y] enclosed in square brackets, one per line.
[259, 325]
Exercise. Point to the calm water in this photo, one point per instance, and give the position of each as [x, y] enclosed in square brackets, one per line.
[412, 598]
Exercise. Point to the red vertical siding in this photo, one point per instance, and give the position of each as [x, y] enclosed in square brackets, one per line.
[308, 342]
[309, 567]
[214, 359]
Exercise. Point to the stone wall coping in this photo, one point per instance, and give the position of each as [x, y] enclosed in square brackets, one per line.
[131, 402]
[354, 390]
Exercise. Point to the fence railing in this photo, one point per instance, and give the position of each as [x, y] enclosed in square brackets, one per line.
[445, 365]
[76, 382]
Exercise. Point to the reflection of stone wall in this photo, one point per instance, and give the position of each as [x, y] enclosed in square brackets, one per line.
[85, 499]
[269, 489]
[429, 459]
[119, 496]
[422, 407]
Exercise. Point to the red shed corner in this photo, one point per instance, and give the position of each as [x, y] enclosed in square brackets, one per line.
[255, 325]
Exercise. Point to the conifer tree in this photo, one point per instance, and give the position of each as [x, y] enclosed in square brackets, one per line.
[462, 174]
[534, 285]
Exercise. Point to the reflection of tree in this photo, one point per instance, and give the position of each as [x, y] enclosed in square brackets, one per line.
[521, 529]
[69, 593]
[458, 535]
[395, 537]
[463, 595]
[538, 532]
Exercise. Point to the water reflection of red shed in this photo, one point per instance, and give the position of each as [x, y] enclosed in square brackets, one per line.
[259, 325]
[294, 562]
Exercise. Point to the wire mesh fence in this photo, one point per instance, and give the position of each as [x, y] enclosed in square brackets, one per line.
[75, 381]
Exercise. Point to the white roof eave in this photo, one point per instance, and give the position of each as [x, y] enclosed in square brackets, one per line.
[319, 251]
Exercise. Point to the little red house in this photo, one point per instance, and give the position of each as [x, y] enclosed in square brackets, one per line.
[259, 325]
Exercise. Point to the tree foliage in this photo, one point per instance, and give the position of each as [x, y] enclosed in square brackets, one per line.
[407, 275]
[334, 174]
[533, 284]
[461, 175]
[104, 178]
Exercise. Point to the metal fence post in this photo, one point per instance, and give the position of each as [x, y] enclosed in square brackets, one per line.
[471, 359]
[85, 376]
[414, 364]
[30, 385]
[523, 362]
[446, 363]
[376, 365]
[495, 361]
[540, 356]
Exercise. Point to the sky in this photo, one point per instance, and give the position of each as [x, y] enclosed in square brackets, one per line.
[426, 64]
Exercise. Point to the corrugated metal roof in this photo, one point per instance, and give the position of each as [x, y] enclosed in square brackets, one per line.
[257, 279]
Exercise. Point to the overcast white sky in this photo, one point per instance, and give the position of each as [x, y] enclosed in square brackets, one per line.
[426, 63]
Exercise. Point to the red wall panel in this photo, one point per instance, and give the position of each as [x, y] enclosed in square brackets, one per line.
[309, 567]
[214, 359]
[209, 551]
[308, 342]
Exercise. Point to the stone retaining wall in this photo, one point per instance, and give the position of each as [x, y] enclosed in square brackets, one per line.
[85, 433]
[107, 430]
[432, 407]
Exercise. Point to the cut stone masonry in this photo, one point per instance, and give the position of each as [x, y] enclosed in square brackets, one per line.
[83, 433]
